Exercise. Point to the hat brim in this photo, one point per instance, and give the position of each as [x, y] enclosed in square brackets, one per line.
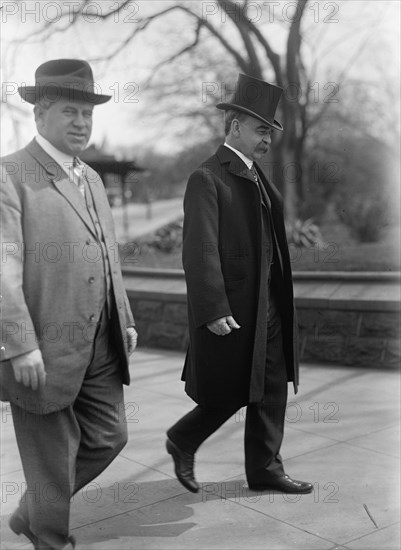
[32, 94]
[227, 106]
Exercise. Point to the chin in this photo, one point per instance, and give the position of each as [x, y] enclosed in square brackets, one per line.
[76, 149]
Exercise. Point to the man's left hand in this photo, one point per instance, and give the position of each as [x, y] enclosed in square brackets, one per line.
[132, 337]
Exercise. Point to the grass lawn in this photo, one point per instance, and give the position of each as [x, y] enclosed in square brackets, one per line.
[339, 253]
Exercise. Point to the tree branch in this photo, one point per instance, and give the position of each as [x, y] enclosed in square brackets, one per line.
[343, 73]
[254, 67]
[175, 56]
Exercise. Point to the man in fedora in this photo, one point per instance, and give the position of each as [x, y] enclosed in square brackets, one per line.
[67, 328]
[242, 325]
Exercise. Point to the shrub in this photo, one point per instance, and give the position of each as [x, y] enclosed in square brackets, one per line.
[168, 238]
[366, 217]
[303, 233]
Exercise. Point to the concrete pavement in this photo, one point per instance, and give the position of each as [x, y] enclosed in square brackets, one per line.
[342, 434]
[136, 220]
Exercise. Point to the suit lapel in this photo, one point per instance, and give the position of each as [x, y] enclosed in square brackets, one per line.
[62, 183]
[77, 201]
[99, 204]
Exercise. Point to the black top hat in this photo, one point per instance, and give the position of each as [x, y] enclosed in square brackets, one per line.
[67, 78]
[256, 98]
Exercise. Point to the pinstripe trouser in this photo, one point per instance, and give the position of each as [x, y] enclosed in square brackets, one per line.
[63, 451]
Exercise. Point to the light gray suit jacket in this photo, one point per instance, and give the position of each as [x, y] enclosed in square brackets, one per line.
[51, 277]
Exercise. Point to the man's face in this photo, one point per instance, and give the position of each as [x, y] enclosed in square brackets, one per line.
[253, 137]
[66, 124]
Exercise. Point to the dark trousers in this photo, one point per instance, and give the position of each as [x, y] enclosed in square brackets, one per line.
[264, 424]
[63, 451]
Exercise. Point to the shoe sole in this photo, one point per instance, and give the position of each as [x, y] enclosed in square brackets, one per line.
[281, 490]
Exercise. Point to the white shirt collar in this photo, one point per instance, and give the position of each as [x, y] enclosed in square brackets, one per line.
[248, 161]
[64, 160]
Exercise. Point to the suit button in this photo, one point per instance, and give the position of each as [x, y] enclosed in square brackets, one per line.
[92, 317]
[91, 280]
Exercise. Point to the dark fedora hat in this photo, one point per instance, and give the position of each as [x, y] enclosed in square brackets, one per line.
[63, 78]
[256, 98]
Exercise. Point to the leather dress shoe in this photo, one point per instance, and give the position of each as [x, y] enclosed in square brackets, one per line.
[184, 466]
[282, 483]
[19, 525]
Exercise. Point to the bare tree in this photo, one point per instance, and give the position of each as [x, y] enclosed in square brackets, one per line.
[246, 38]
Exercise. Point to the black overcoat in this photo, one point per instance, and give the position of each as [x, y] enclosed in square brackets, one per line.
[226, 274]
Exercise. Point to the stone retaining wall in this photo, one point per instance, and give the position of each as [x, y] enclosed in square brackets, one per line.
[161, 324]
[334, 328]
[350, 337]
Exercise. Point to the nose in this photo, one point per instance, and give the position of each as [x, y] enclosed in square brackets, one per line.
[79, 120]
[267, 139]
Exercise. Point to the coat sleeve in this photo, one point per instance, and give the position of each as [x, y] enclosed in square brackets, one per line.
[129, 318]
[207, 297]
[15, 318]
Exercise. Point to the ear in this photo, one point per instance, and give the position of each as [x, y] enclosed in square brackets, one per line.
[38, 112]
[235, 127]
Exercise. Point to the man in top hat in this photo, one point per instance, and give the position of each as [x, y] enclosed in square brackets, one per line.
[242, 325]
[67, 328]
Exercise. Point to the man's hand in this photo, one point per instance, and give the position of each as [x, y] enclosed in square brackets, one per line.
[30, 369]
[132, 337]
[223, 326]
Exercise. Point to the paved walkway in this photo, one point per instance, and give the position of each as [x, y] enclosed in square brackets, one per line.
[136, 220]
[342, 434]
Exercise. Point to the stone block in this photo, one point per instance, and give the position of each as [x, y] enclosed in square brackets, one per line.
[308, 318]
[381, 324]
[327, 321]
[175, 313]
[147, 309]
[393, 353]
[368, 352]
[166, 335]
[324, 348]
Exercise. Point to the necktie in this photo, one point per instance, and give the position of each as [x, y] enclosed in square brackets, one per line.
[264, 197]
[254, 173]
[78, 175]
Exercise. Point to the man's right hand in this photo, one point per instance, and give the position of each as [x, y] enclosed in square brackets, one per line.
[30, 369]
[223, 326]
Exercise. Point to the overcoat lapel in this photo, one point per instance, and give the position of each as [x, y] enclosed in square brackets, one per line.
[60, 180]
[238, 168]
